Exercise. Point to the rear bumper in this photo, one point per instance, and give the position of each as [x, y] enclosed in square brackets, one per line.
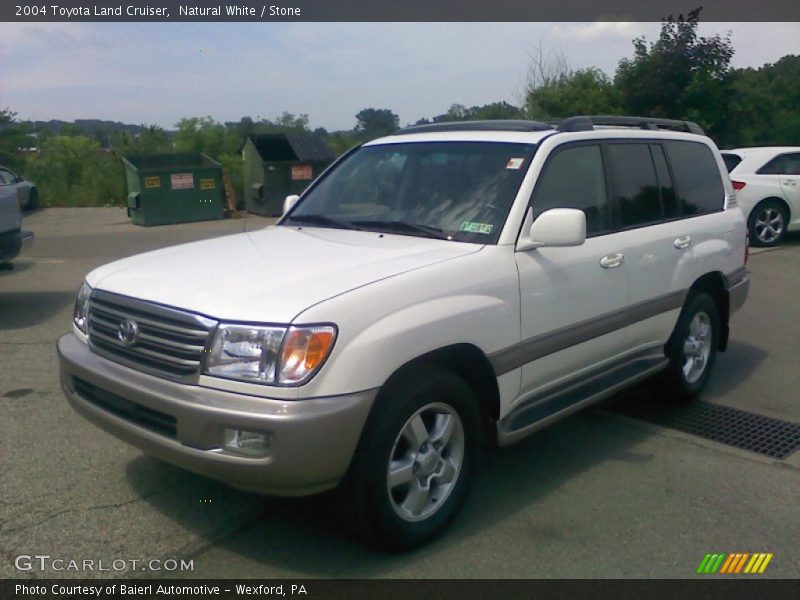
[12, 243]
[313, 440]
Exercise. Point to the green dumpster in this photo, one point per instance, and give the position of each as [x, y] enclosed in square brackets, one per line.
[173, 188]
[277, 165]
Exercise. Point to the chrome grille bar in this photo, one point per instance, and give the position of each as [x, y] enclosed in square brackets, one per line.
[169, 342]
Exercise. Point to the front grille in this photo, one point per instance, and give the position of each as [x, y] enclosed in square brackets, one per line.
[170, 342]
[137, 414]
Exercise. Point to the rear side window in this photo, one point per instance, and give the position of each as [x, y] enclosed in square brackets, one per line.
[697, 177]
[731, 160]
[669, 201]
[784, 164]
[635, 184]
[573, 178]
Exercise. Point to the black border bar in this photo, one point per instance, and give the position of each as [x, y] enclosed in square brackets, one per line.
[708, 587]
[395, 10]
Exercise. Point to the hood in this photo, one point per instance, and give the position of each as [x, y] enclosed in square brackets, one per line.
[270, 275]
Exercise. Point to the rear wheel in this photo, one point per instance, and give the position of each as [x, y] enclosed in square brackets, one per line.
[767, 223]
[692, 349]
[414, 464]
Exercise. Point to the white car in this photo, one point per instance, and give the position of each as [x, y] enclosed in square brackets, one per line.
[445, 286]
[767, 184]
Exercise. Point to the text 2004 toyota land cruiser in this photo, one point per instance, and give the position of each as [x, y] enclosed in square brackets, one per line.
[449, 283]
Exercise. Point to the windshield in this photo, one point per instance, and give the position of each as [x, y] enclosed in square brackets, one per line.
[449, 190]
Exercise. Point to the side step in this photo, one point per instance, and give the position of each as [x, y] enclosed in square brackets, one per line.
[548, 407]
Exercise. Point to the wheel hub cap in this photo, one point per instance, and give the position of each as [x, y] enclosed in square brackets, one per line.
[425, 461]
[697, 347]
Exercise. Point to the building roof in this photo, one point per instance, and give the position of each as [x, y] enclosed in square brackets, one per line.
[292, 146]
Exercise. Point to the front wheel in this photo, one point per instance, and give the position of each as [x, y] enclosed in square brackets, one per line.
[414, 464]
[692, 349]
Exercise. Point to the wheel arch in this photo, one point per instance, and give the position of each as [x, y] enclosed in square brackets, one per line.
[779, 199]
[468, 362]
[715, 285]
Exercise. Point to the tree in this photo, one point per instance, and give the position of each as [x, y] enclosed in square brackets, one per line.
[582, 92]
[764, 104]
[75, 171]
[680, 76]
[459, 112]
[375, 122]
[13, 136]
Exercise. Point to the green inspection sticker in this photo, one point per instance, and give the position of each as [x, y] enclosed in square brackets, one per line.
[473, 227]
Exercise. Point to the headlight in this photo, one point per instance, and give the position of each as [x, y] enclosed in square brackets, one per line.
[81, 312]
[269, 355]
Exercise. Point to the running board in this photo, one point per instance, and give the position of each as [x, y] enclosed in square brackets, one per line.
[552, 405]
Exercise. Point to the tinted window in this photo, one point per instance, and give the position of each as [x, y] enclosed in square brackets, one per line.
[574, 178]
[669, 201]
[5, 177]
[697, 177]
[458, 190]
[635, 184]
[731, 160]
[785, 164]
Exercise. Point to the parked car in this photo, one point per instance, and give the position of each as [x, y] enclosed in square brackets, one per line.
[449, 286]
[12, 237]
[27, 194]
[767, 184]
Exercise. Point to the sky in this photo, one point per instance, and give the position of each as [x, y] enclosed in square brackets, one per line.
[160, 73]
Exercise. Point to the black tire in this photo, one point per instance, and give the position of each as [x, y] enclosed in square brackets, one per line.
[33, 200]
[682, 385]
[374, 509]
[773, 213]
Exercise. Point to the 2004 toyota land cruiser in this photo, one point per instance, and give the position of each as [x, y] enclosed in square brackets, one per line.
[447, 284]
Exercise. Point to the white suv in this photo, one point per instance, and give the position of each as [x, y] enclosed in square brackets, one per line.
[767, 184]
[447, 285]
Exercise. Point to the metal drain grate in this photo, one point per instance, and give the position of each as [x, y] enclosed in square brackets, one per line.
[723, 424]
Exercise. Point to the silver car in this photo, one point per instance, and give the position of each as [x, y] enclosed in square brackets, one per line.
[26, 192]
[13, 238]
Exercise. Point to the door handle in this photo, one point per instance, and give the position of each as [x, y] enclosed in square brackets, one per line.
[789, 182]
[682, 242]
[612, 260]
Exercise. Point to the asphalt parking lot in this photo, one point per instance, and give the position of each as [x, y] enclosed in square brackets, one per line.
[598, 495]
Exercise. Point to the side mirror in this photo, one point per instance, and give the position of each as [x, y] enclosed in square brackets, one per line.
[556, 227]
[290, 201]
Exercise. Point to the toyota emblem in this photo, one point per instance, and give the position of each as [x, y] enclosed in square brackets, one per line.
[128, 332]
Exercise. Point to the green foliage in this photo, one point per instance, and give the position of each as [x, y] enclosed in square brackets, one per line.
[376, 122]
[680, 76]
[582, 92]
[766, 104]
[75, 171]
[13, 136]
[459, 112]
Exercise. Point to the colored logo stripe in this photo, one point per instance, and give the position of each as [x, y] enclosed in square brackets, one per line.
[736, 562]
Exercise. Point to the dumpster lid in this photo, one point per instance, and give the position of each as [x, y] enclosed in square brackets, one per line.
[292, 146]
[188, 160]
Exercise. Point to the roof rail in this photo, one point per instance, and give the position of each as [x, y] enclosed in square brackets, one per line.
[587, 123]
[494, 125]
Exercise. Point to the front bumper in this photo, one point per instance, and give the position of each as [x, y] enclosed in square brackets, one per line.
[13, 243]
[313, 440]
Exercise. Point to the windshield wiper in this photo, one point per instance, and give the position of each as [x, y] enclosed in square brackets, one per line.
[402, 226]
[322, 220]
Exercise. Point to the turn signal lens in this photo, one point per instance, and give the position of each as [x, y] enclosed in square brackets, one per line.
[738, 185]
[304, 351]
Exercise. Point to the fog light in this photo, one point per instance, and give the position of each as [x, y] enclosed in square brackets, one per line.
[248, 443]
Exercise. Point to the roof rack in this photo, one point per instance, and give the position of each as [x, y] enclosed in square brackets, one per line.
[587, 123]
[494, 125]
